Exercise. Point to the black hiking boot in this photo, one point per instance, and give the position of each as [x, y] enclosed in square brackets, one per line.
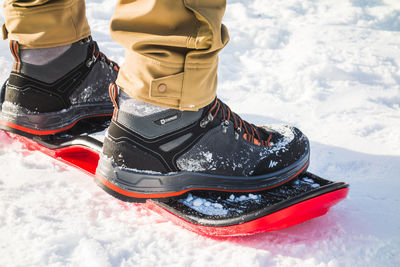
[50, 98]
[171, 152]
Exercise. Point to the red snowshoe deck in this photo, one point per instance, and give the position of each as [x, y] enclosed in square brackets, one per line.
[208, 213]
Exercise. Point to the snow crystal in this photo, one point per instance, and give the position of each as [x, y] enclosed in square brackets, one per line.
[215, 208]
[94, 88]
[202, 162]
[142, 171]
[198, 202]
[249, 197]
[254, 196]
[307, 181]
[288, 136]
[13, 108]
[218, 206]
[204, 206]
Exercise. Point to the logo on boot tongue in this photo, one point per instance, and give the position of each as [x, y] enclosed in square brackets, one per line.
[167, 119]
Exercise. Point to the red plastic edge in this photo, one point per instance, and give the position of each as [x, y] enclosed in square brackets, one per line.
[86, 159]
[284, 218]
[80, 157]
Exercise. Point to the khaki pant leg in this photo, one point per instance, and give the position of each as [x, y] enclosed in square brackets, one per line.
[172, 50]
[45, 23]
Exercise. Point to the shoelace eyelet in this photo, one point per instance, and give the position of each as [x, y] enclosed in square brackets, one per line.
[206, 120]
[90, 61]
[237, 133]
[225, 125]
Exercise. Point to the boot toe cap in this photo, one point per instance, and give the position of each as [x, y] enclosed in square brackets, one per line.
[288, 147]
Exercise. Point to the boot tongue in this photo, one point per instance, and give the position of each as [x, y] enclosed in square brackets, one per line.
[43, 56]
[264, 132]
[279, 133]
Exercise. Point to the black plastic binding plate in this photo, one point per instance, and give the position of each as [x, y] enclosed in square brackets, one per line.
[206, 208]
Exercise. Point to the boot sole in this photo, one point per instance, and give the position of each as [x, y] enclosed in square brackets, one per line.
[129, 183]
[15, 120]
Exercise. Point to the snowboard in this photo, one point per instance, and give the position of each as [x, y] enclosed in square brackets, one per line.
[208, 213]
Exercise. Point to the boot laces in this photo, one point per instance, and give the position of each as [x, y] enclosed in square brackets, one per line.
[97, 54]
[251, 132]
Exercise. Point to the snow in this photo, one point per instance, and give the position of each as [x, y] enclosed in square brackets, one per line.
[203, 161]
[209, 207]
[310, 182]
[238, 203]
[136, 107]
[331, 68]
[287, 137]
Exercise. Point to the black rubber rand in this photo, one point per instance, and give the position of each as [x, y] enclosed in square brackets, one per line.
[145, 154]
[39, 96]
[126, 153]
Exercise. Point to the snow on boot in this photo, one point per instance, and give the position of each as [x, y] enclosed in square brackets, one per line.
[171, 152]
[50, 97]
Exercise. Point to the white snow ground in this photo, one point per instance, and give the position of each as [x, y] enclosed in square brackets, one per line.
[330, 67]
